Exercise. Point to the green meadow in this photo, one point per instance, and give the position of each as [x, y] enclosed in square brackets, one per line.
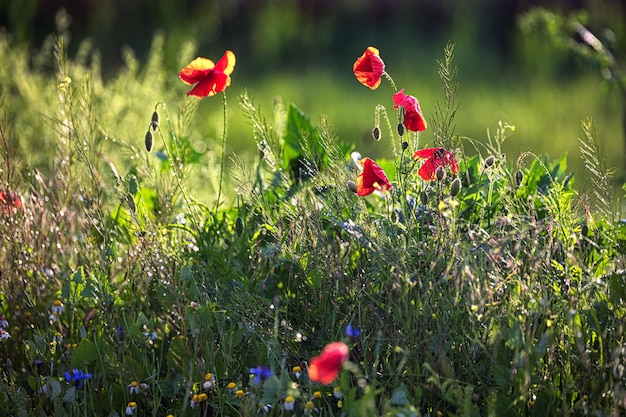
[280, 248]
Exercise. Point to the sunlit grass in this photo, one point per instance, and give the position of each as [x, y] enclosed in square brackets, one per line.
[128, 290]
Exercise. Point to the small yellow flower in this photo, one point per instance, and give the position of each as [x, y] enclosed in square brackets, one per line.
[57, 307]
[309, 405]
[133, 387]
[209, 380]
[231, 386]
[239, 393]
[317, 395]
[130, 408]
[290, 403]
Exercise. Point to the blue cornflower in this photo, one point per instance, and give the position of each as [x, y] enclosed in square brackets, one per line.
[261, 373]
[120, 333]
[77, 377]
[352, 331]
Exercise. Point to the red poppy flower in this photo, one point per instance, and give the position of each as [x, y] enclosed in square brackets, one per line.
[325, 368]
[209, 78]
[371, 179]
[413, 117]
[435, 158]
[9, 202]
[368, 68]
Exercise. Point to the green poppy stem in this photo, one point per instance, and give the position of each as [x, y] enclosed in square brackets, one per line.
[223, 156]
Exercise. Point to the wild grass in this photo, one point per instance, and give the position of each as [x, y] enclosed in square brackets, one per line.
[502, 297]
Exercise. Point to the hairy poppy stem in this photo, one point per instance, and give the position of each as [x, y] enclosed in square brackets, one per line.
[223, 156]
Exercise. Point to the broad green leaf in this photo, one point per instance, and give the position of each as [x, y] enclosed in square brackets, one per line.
[84, 354]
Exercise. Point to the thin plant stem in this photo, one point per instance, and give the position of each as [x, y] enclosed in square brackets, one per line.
[223, 156]
[393, 84]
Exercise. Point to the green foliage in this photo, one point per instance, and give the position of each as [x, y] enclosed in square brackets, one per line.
[492, 291]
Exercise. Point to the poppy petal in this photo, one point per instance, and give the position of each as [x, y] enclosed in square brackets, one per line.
[214, 83]
[326, 367]
[369, 68]
[428, 170]
[196, 70]
[425, 153]
[227, 62]
[371, 178]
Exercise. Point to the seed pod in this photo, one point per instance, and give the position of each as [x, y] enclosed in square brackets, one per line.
[154, 122]
[376, 133]
[405, 145]
[455, 187]
[440, 173]
[424, 198]
[148, 141]
[352, 186]
[400, 129]
[519, 177]
[490, 161]
[239, 226]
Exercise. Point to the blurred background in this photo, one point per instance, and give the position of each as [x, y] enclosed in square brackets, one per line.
[303, 51]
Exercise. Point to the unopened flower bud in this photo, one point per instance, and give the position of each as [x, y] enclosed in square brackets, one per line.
[239, 226]
[440, 173]
[489, 161]
[352, 186]
[154, 122]
[424, 198]
[519, 177]
[148, 141]
[400, 129]
[455, 187]
[405, 145]
[376, 133]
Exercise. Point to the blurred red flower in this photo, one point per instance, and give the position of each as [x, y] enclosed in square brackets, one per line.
[372, 178]
[325, 368]
[9, 202]
[413, 117]
[368, 68]
[435, 158]
[209, 78]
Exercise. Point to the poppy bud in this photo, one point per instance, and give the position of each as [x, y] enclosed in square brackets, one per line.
[424, 198]
[584, 230]
[489, 161]
[352, 186]
[405, 145]
[455, 187]
[440, 173]
[154, 122]
[239, 226]
[400, 129]
[148, 141]
[376, 133]
[519, 177]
